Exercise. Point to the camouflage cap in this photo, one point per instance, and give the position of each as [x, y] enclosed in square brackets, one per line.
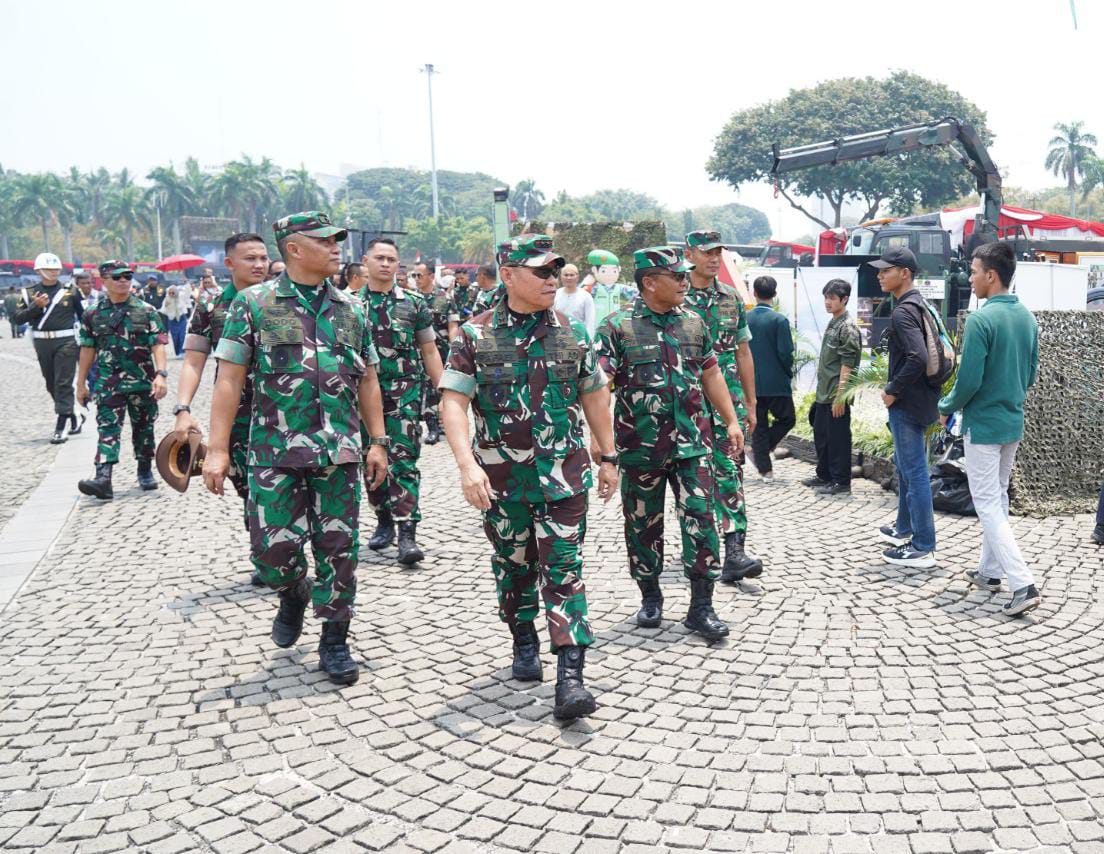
[529, 250]
[601, 258]
[704, 240]
[107, 266]
[663, 258]
[309, 223]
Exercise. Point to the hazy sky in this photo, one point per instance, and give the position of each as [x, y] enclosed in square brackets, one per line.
[548, 91]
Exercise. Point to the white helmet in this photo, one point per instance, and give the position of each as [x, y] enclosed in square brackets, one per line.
[47, 261]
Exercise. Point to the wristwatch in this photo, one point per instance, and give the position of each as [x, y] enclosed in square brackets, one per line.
[181, 407]
[162, 373]
[613, 459]
[385, 441]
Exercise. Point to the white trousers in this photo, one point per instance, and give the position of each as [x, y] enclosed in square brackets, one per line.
[989, 468]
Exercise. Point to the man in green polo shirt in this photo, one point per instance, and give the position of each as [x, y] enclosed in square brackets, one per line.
[1000, 357]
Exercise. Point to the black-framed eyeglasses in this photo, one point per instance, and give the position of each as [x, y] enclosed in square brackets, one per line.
[123, 277]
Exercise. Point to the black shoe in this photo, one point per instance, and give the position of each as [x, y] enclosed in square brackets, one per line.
[572, 699]
[889, 534]
[701, 617]
[58, 437]
[527, 664]
[408, 549]
[906, 555]
[814, 481]
[255, 579]
[433, 428]
[288, 624]
[384, 535]
[145, 475]
[76, 426]
[738, 565]
[650, 614]
[834, 488]
[100, 485]
[979, 580]
[1023, 600]
[1097, 535]
[333, 653]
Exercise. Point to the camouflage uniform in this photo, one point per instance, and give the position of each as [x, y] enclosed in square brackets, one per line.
[307, 349]
[400, 320]
[463, 302]
[663, 432]
[722, 309]
[204, 332]
[524, 374]
[441, 313]
[123, 336]
[485, 300]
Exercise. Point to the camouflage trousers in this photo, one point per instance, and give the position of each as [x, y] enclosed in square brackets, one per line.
[643, 495]
[430, 398]
[239, 453]
[540, 541]
[728, 479]
[289, 508]
[111, 410]
[400, 490]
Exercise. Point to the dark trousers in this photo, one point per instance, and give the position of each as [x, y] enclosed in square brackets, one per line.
[832, 437]
[177, 331]
[1100, 508]
[57, 357]
[766, 437]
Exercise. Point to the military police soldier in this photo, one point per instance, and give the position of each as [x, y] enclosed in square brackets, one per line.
[126, 339]
[722, 309]
[439, 301]
[530, 373]
[308, 348]
[660, 358]
[402, 330]
[155, 291]
[53, 311]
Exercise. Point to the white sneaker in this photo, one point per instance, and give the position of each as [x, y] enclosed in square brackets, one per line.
[906, 555]
[888, 534]
[768, 477]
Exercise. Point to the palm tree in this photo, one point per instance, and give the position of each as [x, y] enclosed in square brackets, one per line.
[7, 202]
[302, 192]
[246, 189]
[36, 197]
[97, 187]
[1068, 153]
[528, 200]
[199, 185]
[127, 208]
[70, 208]
[172, 194]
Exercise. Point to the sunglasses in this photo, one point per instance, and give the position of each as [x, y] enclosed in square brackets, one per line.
[543, 273]
[679, 277]
[123, 277]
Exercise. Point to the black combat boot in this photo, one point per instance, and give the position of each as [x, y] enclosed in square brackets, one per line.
[737, 563]
[384, 535]
[650, 614]
[408, 549]
[701, 617]
[572, 699]
[433, 428]
[76, 426]
[527, 663]
[59, 430]
[333, 653]
[288, 624]
[100, 485]
[145, 475]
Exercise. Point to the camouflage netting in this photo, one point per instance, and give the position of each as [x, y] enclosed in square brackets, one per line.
[1060, 465]
[574, 241]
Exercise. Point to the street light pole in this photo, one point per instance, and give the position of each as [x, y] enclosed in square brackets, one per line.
[429, 72]
[160, 253]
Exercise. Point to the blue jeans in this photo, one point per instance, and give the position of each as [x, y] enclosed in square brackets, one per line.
[178, 330]
[914, 498]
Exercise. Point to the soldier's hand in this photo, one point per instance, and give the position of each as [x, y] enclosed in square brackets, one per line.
[476, 486]
[185, 424]
[752, 420]
[375, 466]
[159, 388]
[735, 439]
[215, 468]
[596, 455]
[40, 300]
[83, 394]
[608, 478]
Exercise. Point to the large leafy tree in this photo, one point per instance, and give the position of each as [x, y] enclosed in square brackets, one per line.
[7, 200]
[127, 209]
[920, 180]
[247, 189]
[172, 193]
[302, 192]
[527, 200]
[1068, 155]
[36, 197]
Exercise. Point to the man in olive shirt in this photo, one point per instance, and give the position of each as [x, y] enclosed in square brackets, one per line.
[840, 353]
[772, 348]
[1000, 357]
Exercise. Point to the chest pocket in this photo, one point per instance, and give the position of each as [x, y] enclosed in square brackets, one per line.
[644, 366]
[402, 325]
[139, 325]
[563, 384]
[346, 329]
[498, 386]
[281, 341]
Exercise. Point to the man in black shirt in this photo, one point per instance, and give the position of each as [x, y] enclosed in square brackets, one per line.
[53, 311]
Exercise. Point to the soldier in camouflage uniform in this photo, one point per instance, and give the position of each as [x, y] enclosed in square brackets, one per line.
[439, 301]
[311, 356]
[530, 373]
[402, 330]
[490, 289]
[126, 339]
[722, 309]
[464, 295]
[660, 358]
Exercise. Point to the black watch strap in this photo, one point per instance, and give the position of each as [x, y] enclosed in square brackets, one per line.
[610, 458]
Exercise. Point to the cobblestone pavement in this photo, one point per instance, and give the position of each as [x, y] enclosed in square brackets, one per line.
[855, 707]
